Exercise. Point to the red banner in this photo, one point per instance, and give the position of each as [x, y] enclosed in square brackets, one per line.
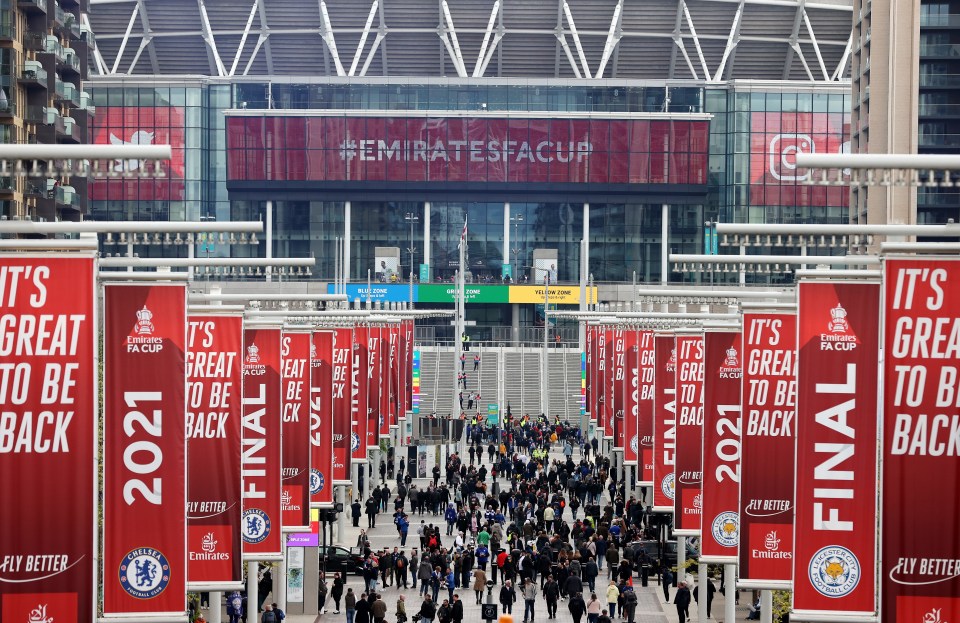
[605, 418]
[321, 419]
[295, 358]
[374, 378]
[631, 398]
[664, 423]
[214, 414]
[144, 449]
[342, 410]
[720, 519]
[617, 385]
[48, 420]
[408, 343]
[359, 380]
[588, 343]
[767, 452]
[689, 458]
[395, 368]
[262, 452]
[386, 389]
[645, 407]
[921, 441]
[836, 474]
[456, 149]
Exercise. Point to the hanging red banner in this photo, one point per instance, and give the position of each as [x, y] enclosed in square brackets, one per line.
[664, 423]
[408, 367]
[609, 383]
[767, 450]
[359, 381]
[645, 409]
[262, 451]
[720, 518]
[342, 409]
[144, 450]
[618, 369]
[48, 438]
[836, 472]
[295, 384]
[394, 357]
[604, 354]
[689, 458]
[631, 396]
[321, 420]
[588, 343]
[214, 488]
[386, 376]
[374, 378]
[921, 441]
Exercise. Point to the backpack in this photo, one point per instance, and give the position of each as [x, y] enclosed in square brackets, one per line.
[269, 617]
[400, 564]
[433, 542]
[237, 604]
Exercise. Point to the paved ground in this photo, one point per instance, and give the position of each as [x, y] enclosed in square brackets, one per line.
[650, 609]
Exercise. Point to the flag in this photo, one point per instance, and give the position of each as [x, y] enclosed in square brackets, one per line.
[463, 234]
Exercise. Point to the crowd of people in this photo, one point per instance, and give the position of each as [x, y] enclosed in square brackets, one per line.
[512, 525]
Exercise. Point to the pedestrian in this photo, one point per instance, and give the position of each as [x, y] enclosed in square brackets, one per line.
[428, 610]
[682, 601]
[476, 361]
[667, 576]
[604, 617]
[402, 609]
[576, 607]
[235, 607]
[268, 616]
[321, 594]
[350, 603]
[336, 592]
[457, 608]
[362, 613]
[479, 583]
[507, 597]
[613, 595]
[551, 593]
[444, 612]
[629, 603]
[529, 599]
[593, 609]
[278, 613]
[711, 589]
[379, 610]
[373, 506]
[355, 513]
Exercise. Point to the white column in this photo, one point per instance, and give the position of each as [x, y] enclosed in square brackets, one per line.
[346, 241]
[342, 517]
[730, 587]
[216, 607]
[664, 243]
[269, 238]
[355, 478]
[426, 234]
[682, 567]
[252, 578]
[280, 578]
[506, 234]
[702, 583]
[766, 606]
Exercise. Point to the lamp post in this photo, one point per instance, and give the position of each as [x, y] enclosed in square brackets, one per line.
[516, 220]
[412, 218]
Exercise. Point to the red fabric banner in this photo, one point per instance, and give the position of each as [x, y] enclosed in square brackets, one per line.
[645, 407]
[589, 346]
[605, 417]
[342, 409]
[262, 441]
[214, 420]
[767, 453]
[395, 368]
[921, 441]
[359, 381]
[48, 438]
[144, 449]
[386, 376]
[618, 374]
[408, 367]
[689, 459]
[836, 474]
[295, 362]
[631, 397]
[720, 518]
[374, 378]
[664, 423]
[321, 420]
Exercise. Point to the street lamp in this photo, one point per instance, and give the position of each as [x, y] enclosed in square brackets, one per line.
[516, 220]
[412, 218]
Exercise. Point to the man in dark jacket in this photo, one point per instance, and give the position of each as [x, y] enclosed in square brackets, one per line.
[710, 591]
[456, 613]
[507, 597]
[428, 610]
[355, 513]
[682, 601]
[373, 505]
[573, 585]
[551, 593]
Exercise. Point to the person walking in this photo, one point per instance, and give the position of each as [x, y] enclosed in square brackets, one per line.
[268, 616]
[321, 594]
[336, 592]
[576, 607]
[373, 506]
[529, 599]
[235, 607]
[401, 609]
[350, 603]
[479, 583]
[613, 595]
[428, 610]
[378, 610]
[667, 576]
[682, 601]
[456, 615]
[551, 594]
[593, 608]
[710, 591]
[629, 603]
[423, 574]
[362, 614]
[507, 597]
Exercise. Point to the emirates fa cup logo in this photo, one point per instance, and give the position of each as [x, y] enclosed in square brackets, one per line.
[144, 324]
[39, 615]
[208, 543]
[253, 354]
[838, 320]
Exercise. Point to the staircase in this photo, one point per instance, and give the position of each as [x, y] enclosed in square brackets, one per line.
[513, 393]
[488, 378]
[531, 381]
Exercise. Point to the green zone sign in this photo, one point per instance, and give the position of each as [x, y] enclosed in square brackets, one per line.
[445, 293]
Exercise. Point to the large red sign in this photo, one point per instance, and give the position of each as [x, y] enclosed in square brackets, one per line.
[407, 341]
[617, 385]
[588, 344]
[775, 140]
[631, 398]
[342, 411]
[359, 381]
[645, 407]
[374, 385]
[838, 340]
[664, 423]
[482, 149]
[144, 449]
[141, 125]
[395, 368]
[921, 441]
[609, 381]
[600, 384]
[321, 420]
[295, 361]
[48, 409]
[720, 519]
[386, 374]
[689, 460]
[767, 449]
[214, 414]
[262, 451]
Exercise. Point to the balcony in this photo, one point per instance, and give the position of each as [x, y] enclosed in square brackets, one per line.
[942, 50]
[8, 31]
[938, 141]
[32, 75]
[52, 45]
[7, 185]
[927, 109]
[939, 80]
[32, 6]
[35, 115]
[35, 42]
[940, 21]
[71, 131]
[8, 110]
[71, 63]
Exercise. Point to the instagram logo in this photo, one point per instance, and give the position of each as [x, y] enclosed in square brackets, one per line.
[783, 150]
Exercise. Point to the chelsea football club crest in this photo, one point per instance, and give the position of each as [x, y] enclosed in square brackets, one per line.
[317, 481]
[834, 571]
[144, 573]
[635, 444]
[726, 529]
[667, 485]
[354, 442]
[255, 525]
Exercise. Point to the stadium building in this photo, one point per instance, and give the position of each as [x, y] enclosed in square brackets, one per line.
[388, 124]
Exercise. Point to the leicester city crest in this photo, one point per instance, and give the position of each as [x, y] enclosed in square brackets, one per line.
[667, 485]
[255, 525]
[354, 442]
[144, 573]
[635, 444]
[834, 571]
[726, 529]
[317, 481]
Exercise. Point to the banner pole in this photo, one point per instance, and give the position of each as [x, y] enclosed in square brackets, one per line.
[681, 562]
[702, 583]
[216, 606]
[766, 606]
[252, 579]
[280, 582]
[730, 590]
[342, 515]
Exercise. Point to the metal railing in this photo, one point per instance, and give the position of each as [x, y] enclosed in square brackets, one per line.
[943, 20]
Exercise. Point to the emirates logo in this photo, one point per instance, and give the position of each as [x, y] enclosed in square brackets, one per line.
[208, 543]
[771, 542]
[39, 615]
